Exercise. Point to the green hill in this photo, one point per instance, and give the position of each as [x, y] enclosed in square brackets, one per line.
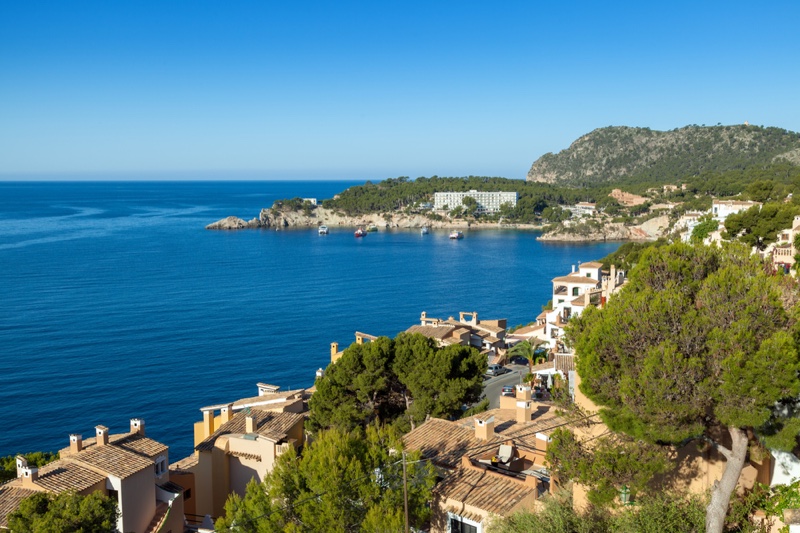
[618, 153]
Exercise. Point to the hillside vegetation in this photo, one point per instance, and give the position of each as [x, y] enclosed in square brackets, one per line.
[620, 153]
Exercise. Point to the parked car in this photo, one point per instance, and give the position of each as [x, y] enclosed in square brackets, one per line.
[508, 390]
[496, 370]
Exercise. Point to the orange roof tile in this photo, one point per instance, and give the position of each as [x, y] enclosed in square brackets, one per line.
[10, 497]
[267, 424]
[479, 488]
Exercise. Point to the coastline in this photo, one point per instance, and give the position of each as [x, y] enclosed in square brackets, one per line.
[285, 220]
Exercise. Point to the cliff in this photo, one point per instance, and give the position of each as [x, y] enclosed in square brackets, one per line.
[645, 155]
[280, 219]
[647, 231]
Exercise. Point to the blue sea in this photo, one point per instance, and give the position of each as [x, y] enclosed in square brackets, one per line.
[115, 302]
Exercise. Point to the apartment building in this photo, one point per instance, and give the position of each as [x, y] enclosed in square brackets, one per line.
[488, 202]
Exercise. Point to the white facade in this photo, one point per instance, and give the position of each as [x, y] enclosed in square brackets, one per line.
[582, 209]
[721, 209]
[488, 202]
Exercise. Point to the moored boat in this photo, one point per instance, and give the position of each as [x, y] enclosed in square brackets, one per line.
[424, 231]
[372, 227]
[456, 235]
[360, 232]
[323, 230]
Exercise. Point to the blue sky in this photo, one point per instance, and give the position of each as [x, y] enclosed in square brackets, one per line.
[371, 90]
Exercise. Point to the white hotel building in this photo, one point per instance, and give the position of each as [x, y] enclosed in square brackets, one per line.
[488, 202]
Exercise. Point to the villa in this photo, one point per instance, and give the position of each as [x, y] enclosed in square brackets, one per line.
[128, 467]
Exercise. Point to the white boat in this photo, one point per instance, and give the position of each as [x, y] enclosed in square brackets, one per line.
[323, 230]
[424, 230]
[456, 235]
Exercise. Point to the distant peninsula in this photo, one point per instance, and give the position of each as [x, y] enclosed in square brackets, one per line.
[617, 183]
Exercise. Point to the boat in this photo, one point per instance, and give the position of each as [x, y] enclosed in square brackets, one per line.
[424, 231]
[372, 227]
[456, 235]
[323, 230]
[360, 232]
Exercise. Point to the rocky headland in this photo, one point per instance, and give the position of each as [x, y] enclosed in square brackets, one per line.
[277, 219]
[283, 219]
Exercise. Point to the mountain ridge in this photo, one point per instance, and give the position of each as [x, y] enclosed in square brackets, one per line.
[614, 152]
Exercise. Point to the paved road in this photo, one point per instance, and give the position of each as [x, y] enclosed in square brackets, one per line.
[493, 386]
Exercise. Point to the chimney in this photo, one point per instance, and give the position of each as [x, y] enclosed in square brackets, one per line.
[226, 413]
[102, 435]
[612, 277]
[587, 298]
[22, 463]
[484, 429]
[334, 349]
[249, 424]
[523, 411]
[422, 317]
[475, 320]
[75, 443]
[523, 392]
[573, 269]
[208, 423]
[320, 373]
[29, 475]
[137, 426]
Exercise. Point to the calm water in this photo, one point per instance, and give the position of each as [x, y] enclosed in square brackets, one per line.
[116, 303]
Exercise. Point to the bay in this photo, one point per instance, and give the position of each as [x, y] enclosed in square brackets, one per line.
[115, 302]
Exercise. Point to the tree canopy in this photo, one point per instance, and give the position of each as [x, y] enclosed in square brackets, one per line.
[68, 511]
[699, 342]
[8, 464]
[403, 380]
[344, 481]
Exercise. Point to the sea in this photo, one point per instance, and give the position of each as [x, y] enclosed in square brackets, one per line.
[117, 303]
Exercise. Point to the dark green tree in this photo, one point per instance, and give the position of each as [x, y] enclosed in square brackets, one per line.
[704, 228]
[407, 378]
[697, 345]
[48, 513]
[344, 481]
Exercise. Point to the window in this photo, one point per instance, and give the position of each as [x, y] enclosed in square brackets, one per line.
[114, 495]
[161, 466]
[588, 274]
[458, 525]
[187, 494]
[575, 291]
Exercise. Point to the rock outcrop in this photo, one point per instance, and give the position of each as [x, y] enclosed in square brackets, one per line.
[234, 223]
[647, 231]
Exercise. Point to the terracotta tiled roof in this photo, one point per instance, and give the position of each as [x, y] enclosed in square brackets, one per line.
[434, 332]
[575, 278]
[142, 445]
[591, 264]
[445, 440]
[184, 465]
[580, 301]
[529, 329]
[548, 365]
[64, 475]
[267, 423]
[114, 460]
[565, 362]
[10, 497]
[484, 490]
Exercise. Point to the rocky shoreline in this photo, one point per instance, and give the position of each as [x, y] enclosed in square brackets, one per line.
[279, 220]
